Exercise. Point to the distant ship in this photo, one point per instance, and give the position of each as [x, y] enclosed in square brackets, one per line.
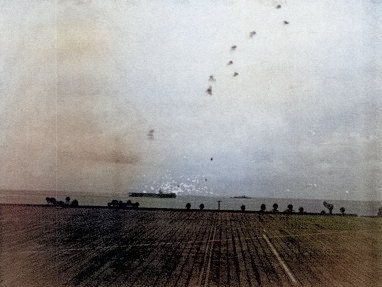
[243, 196]
[160, 194]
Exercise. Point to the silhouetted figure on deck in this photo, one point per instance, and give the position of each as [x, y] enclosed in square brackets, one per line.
[188, 206]
[301, 210]
[329, 206]
[290, 208]
[342, 210]
[263, 207]
[242, 207]
[51, 200]
[60, 203]
[122, 205]
[201, 206]
[113, 204]
[275, 207]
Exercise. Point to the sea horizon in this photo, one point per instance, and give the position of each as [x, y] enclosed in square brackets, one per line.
[359, 207]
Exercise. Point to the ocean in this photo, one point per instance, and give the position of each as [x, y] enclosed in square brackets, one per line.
[361, 208]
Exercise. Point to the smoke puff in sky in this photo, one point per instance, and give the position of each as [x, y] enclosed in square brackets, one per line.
[84, 83]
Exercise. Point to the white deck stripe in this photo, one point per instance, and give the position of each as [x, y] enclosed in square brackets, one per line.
[209, 259]
[286, 269]
[207, 256]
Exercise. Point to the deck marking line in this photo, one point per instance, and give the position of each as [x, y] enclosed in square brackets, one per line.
[209, 259]
[286, 269]
[207, 255]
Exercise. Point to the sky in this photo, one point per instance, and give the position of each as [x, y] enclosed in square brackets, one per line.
[110, 97]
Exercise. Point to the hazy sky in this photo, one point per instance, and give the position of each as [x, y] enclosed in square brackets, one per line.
[83, 82]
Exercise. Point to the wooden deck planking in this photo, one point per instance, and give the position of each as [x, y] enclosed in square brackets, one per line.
[102, 247]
